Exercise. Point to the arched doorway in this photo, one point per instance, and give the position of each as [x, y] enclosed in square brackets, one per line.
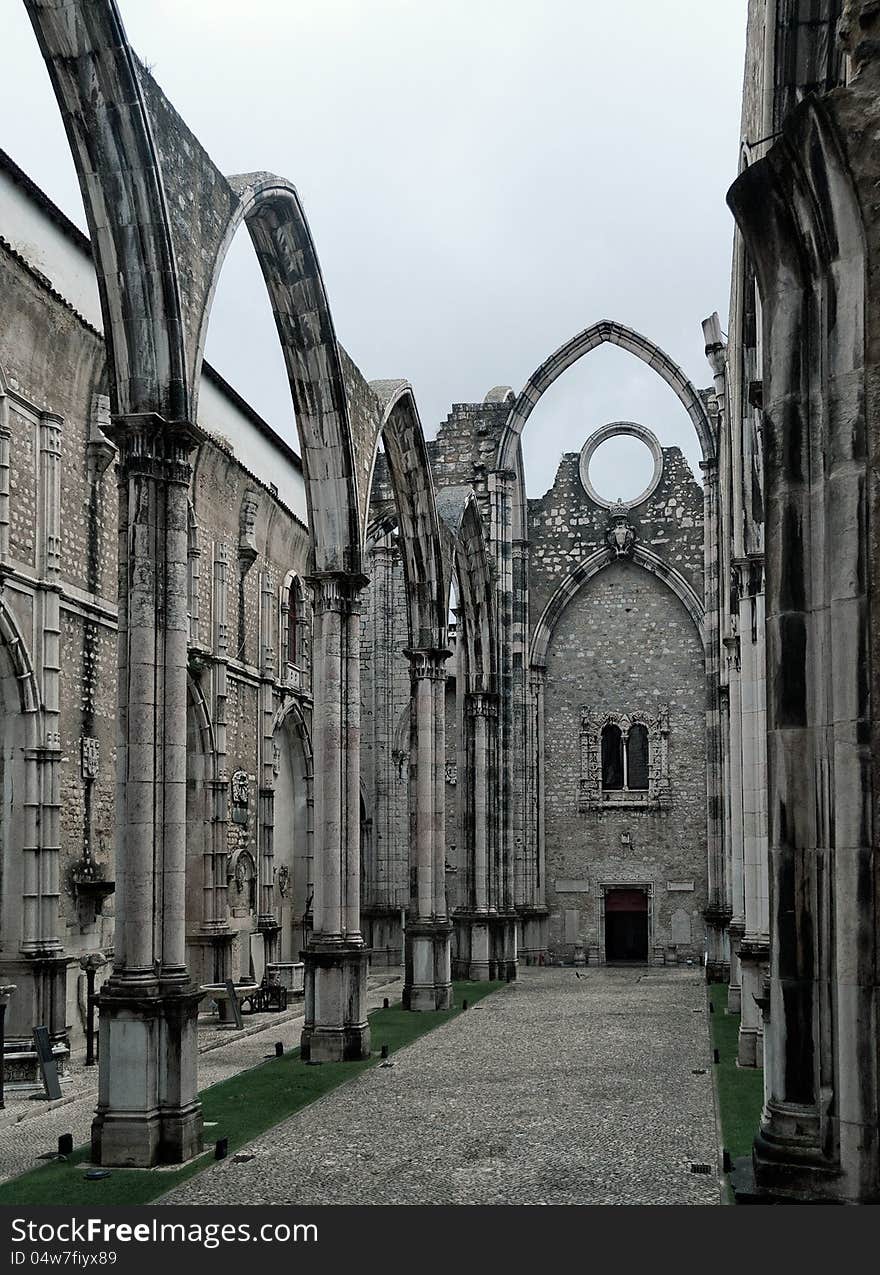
[294, 861]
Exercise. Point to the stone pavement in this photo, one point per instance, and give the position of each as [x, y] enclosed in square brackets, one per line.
[30, 1128]
[565, 1088]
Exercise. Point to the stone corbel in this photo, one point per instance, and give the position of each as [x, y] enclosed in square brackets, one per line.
[247, 522]
[99, 450]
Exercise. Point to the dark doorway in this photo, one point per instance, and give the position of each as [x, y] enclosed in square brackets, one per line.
[626, 926]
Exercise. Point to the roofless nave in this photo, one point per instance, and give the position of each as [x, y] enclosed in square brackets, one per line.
[647, 736]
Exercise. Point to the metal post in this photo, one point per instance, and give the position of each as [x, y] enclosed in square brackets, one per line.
[90, 1017]
[90, 965]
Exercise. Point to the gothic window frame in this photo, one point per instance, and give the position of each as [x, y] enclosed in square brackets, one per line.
[295, 625]
[592, 794]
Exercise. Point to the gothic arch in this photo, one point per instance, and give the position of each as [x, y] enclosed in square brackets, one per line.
[99, 92]
[271, 209]
[413, 486]
[477, 600]
[293, 842]
[605, 331]
[23, 670]
[590, 567]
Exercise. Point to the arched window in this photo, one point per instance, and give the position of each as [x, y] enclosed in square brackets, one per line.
[612, 757]
[637, 757]
[293, 620]
[624, 760]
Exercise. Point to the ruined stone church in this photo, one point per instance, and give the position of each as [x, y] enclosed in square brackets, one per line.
[368, 705]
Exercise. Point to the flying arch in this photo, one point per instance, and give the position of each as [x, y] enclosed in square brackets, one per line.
[413, 487]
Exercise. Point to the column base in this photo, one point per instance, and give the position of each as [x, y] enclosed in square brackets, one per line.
[148, 1109]
[336, 1027]
[472, 957]
[428, 978]
[533, 945]
[383, 935]
[754, 960]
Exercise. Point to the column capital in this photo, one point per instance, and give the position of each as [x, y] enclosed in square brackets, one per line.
[428, 663]
[481, 704]
[152, 447]
[338, 591]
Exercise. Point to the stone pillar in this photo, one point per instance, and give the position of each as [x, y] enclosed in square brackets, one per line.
[755, 946]
[534, 912]
[336, 1026]
[481, 714]
[428, 979]
[733, 787]
[718, 912]
[267, 920]
[216, 919]
[511, 617]
[148, 1109]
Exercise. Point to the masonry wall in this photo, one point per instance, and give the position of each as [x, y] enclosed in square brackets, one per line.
[625, 643]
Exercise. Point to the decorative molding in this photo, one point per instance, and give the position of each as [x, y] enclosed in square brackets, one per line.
[592, 795]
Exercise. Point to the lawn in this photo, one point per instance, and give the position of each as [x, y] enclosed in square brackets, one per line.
[238, 1109]
[740, 1090]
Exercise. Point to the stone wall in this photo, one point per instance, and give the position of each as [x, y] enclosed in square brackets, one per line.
[623, 643]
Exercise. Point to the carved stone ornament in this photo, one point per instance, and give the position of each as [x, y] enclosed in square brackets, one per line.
[90, 757]
[620, 536]
[240, 792]
[592, 796]
[451, 773]
[283, 880]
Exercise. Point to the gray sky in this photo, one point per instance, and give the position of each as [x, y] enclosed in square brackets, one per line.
[483, 179]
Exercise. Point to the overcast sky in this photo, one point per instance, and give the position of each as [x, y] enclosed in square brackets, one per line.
[483, 179]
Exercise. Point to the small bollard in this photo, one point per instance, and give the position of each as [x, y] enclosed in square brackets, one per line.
[279, 1048]
[65, 1144]
[464, 1005]
[385, 1002]
[726, 1161]
[221, 1148]
[711, 1007]
[385, 1051]
[716, 1056]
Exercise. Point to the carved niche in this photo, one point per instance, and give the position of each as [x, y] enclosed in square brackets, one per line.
[592, 795]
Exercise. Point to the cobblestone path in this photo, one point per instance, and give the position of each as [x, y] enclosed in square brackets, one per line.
[556, 1090]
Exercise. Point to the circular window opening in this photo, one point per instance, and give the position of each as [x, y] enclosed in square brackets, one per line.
[621, 468]
[621, 462]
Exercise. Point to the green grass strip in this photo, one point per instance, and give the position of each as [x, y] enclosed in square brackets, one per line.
[740, 1089]
[243, 1107]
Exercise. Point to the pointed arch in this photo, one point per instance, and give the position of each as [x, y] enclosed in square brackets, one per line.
[605, 331]
[590, 567]
[413, 486]
[94, 76]
[29, 700]
[477, 600]
[270, 207]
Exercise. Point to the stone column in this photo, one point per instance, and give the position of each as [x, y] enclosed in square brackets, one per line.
[148, 1109]
[755, 945]
[733, 786]
[481, 712]
[41, 849]
[336, 1026]
[216, 923]
[428, 980]
[718, 913]
[267, 920]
